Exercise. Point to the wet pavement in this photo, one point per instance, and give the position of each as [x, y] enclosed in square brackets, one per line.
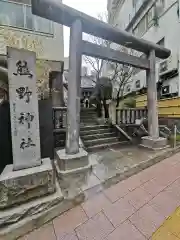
[109, 167]
[138, 208]
[111, 161]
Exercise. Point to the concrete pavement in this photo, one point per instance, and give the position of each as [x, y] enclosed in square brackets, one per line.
[144, 206]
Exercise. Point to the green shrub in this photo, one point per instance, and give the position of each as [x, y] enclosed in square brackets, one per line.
[130, 102]
[172, 138]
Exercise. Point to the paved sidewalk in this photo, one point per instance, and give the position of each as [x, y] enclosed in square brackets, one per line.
[133, 209]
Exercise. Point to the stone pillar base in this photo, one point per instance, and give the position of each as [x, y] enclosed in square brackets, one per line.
[72, 163]
[17, 221]
[17, 187]
[154, 144]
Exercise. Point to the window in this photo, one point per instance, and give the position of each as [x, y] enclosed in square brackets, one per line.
[20, 16]
[145, 23]
[28, 18]
[150, 17]
[128, 88]
[160, 5]
[134, 3]
[141, 27]
[11, 14]
[28, 2]
[163, 66]
[138, 84]
[165, 90]
[42, 25]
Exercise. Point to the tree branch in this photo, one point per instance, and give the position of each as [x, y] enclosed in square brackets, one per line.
[119, 74]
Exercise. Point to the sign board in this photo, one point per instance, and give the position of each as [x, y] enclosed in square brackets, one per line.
[23, 108]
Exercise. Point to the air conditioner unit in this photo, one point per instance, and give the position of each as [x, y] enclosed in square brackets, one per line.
[168, 65]
[165, 90]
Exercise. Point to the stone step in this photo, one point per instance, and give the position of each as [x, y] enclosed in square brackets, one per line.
[84, 124]
[88, 124]
[106, 145]
[88, 119]
[98, 136]
[85, 117]
[96, 131]
[88, 112]
[88, 109]
[94, 127]
[89, 143]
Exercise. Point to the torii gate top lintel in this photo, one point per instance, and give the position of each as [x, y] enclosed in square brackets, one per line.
[55, 11]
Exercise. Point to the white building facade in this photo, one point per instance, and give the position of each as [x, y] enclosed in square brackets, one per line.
[157, 21]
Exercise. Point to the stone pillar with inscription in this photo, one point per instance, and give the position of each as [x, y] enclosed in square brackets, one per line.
[29, 177]
[24, 109]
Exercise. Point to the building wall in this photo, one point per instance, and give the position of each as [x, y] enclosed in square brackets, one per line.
[171, 35]
[173, 84]
[48, 45]
[21, 29]
[120, 16]
[166, 107]
[167, 27]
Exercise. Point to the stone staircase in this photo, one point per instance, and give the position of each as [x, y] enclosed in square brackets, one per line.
[88, 117]
[97, 136]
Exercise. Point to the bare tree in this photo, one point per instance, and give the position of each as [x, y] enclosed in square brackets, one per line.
[119, 74]
[97, 64]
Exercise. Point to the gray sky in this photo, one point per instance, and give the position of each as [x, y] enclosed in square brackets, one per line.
[91, 7]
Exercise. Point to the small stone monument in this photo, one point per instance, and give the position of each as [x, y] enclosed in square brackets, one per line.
[30, 177]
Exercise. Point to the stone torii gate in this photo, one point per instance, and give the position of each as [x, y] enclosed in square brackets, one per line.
[79, 23]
